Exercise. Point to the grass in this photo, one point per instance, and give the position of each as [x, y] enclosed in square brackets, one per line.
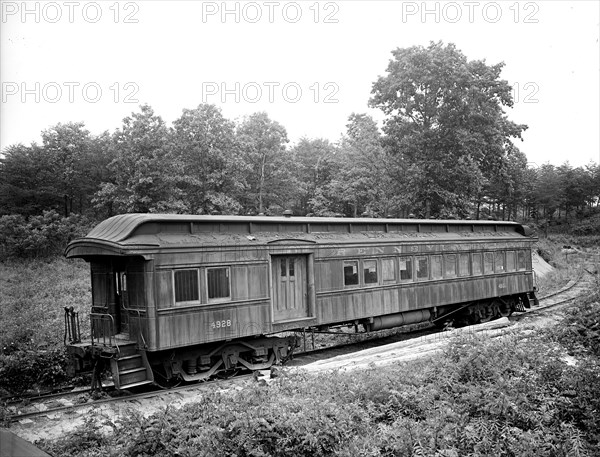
[583, 252]
[33, 295]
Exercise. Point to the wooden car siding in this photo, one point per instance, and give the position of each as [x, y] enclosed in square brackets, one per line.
[247, 282]
[249, 309]
[215, 256]
[150, 330]
[197, 326]
[347, 305]
[413, 248]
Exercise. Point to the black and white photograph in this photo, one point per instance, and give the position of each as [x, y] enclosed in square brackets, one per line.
[300, 228]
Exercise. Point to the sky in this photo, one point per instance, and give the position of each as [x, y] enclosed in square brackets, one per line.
[308, 64]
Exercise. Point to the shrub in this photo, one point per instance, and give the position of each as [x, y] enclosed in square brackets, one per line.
[40, 236]
[511, 396]
[89, 440]
[588, 226]
[23, 370]
[580, 332]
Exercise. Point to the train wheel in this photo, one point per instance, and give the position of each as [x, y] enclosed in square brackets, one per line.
[504, 308]
[162, 380]
[228, 374]
[473, 318]
[486, 312]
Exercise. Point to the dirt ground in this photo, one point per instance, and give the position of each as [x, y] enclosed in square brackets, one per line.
[540, 266]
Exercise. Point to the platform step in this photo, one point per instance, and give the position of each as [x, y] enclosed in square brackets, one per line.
[130, 361]
[127, 349]
[131, 368]
[133, 375]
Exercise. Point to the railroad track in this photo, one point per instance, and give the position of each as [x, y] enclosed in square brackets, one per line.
[36, 406]
[95, 404]
[41, 397]
[570, 292]
[573, 290]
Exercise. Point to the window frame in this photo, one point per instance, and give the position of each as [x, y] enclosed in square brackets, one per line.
[436, 259]
[227, 268]
[447, 262]
[521, 253]
[393, 262]
[185, 302]
[287, 266]
[499, 261]
[363, 269]
[469, 265]
[479, 257]
[511, 261]
[411, 278]
[493, 257]
[354, 261]
[417, 259]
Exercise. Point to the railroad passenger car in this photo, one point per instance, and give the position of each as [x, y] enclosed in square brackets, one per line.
[176, 296]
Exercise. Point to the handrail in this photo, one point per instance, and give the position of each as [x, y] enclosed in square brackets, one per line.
[72, 328]
[139, 316]
[107, 329]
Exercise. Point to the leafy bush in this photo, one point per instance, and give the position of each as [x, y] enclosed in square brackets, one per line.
[89, 440]
[22, 370]
[588, 226]
[40, 236]
[580, 332]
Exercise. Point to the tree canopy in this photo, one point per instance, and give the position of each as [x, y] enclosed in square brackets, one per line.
[446, 149]
[445, 117]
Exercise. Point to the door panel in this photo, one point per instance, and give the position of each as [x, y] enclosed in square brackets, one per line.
[289, 287]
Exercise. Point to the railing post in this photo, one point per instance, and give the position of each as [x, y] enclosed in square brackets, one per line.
[102, 326]
[67, 330]
[75, 327]
[78, 328]
[72, 330]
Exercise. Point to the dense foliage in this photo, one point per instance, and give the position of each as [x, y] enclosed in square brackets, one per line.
[445, 117]
[580, 333]
[40, 236]
[513, 396]
[447, 150]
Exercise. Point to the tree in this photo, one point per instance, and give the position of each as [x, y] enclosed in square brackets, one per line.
[26, 181]
[506, 190]
[62, 174]
[548, 192]
[593, 184]
[141, 172]
[75, 158]
[576, 187]
[445, 118]
[262, 145]
[206, 157]
[314, 167]
[365, 182]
